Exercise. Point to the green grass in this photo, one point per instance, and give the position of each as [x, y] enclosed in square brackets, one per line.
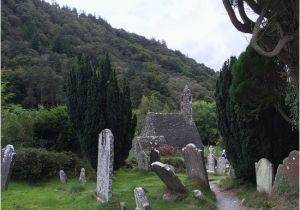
[54, 195]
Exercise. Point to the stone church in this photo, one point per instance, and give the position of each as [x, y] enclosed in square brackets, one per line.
[174, 129]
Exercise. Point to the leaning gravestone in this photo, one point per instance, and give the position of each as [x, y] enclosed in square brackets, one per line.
[143, 160]
[105, 165]
[221, 166]
[194, 162]
[264, 175]
[141, 199]
[287, 175]
[211, 160]
[168, 176]
[154, 155]
[62, 177]
[82, 178]
[7, 161]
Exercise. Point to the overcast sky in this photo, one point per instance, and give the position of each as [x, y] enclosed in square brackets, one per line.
[200, 29]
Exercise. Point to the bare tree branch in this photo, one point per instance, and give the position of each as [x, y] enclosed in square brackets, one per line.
[243, 14]
[242, 27]
[257, 8]
[254, 41]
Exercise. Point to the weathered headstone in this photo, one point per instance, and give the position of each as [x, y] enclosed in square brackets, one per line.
[62, 177]
[231, 172]
[154, 155]
[105, 165]
[287, 175]
[168, 176]
[82, 178]
[7, 161]
[194, 162]
[143, 161]
[211, 160]
[198, 194]
[264, 175]
[221, 165]
[141, 199]
[122, 206]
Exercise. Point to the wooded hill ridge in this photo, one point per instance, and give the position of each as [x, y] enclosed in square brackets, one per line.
[39, 41]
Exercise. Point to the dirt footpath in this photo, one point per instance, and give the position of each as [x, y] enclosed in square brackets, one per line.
[226, 200]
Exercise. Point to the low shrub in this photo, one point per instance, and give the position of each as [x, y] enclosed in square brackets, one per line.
[177, 162]
[33, 164]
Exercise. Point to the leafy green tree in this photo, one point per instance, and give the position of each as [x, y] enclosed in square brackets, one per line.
[17, 126]
[258, 83]
[247, 139]
[95, 102]
[6, 95]
[53, 130]
[205, 118]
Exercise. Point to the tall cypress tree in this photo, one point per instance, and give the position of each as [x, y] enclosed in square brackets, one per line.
[95, 102]
[247, 139]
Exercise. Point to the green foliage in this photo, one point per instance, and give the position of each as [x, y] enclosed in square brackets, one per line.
[17, 126]
[177, 162]
[34, 164]
[292, 102]
[6, 96]
[249, 139]
[205, 118]
[41, 40]
[95, 102]
[53, 130]
[257, 83]
[49, 129]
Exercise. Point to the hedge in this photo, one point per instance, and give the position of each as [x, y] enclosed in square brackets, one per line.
[34, 164]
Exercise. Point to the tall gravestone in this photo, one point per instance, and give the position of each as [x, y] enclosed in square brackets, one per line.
[264, 175]
[154, 155]
[62, 177]
[141, 200]
[7, 161]
[287, 175]
[211, 160]
[221, 165]
[105, 165]
[82, 178]
[168, 176]
[194, 162]
[143, 161]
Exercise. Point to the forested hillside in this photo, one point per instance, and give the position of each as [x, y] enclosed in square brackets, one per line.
[39, 41]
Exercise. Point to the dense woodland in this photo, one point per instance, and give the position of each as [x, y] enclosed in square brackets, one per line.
[40, 40]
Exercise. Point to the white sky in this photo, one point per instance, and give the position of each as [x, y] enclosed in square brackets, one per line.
[200, 29]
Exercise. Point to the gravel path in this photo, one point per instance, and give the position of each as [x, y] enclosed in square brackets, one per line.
[226, 200]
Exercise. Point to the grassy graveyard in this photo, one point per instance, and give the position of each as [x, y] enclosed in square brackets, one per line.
[54, 195]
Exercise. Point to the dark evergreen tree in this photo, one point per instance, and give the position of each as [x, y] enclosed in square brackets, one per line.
[247, 139]
[95, 102]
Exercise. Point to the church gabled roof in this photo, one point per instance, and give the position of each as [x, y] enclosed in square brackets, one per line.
[177, 131]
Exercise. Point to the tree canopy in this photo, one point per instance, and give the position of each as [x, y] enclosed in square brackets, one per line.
[95, 102]
[274, 33]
